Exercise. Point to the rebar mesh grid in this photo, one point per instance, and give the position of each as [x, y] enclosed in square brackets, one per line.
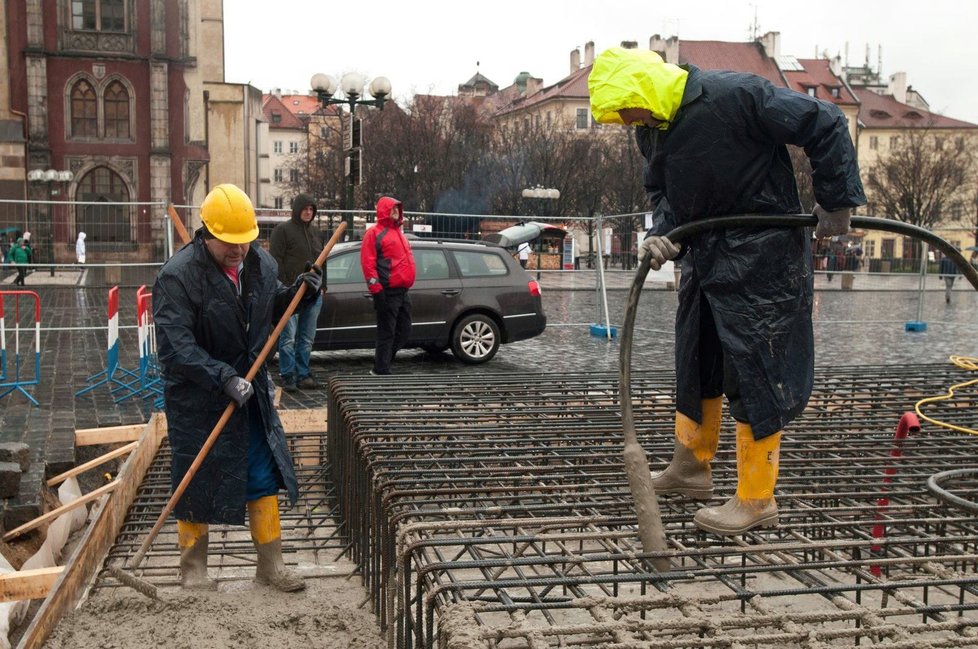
[494, 511]
[311, 538]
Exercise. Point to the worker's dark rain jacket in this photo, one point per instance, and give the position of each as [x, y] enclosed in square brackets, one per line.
[207, 334]
[724, 153]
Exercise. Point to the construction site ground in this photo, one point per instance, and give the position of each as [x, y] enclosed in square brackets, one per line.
[862, 351]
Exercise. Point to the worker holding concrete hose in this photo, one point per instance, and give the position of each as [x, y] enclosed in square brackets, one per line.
[215, 303]
[715, 145]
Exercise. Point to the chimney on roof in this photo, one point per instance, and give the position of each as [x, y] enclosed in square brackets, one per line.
[277, 92]
[629, 45]
[589, 53]
[897, 87]
[575, 61]
[533, 85]
[835, 65]
[667, 48]
[771, 42]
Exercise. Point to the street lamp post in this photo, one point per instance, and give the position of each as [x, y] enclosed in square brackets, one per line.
[545, 193]
[53, 180]
[352, 85]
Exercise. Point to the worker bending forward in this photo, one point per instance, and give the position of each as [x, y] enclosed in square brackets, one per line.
[714, 144]
[215, 302]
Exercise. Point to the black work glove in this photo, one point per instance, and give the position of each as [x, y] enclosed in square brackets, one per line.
[312, 278]
[380, 301]
[239, 390]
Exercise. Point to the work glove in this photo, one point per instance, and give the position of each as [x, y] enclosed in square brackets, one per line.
[380, 300]
[312, 278]
[239, 390]
[661, 249]
[831, 224]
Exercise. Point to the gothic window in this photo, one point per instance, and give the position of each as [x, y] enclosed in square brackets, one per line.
[98, 15]
[116, 100]
[105, 220]
[84, 110]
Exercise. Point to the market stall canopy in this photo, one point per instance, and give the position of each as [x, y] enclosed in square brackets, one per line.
[517, 234]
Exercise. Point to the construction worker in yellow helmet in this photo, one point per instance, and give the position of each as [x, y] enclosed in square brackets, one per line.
[215, 303]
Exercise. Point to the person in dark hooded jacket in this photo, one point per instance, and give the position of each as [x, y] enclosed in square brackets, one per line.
[388, 268]
[715, 144]
[215, 302]
[295, 245]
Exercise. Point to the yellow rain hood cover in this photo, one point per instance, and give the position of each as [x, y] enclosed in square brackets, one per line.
[632, 78]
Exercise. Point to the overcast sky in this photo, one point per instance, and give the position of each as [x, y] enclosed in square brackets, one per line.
[432, 46]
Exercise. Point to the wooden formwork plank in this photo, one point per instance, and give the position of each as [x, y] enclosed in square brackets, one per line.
[54, 513]
[91, 464]
[108, 435]
[312, 420]
[28, 584]
[299, 422]
[97, 540]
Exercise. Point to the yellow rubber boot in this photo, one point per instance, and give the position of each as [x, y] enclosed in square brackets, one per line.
[689, 471]
[754, 504]
[192, 539]
[266, 532]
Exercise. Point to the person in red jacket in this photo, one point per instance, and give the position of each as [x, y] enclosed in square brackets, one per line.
[388, 267]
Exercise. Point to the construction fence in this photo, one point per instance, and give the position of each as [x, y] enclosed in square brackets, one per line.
[126, 243]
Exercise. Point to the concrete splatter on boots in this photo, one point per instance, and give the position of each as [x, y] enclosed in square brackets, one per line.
[193, 540]
[689, 472]
[754, 504]
[266, 532]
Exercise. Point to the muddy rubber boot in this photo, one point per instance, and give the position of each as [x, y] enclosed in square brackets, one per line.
[192, 539]
[754, 504]
[689, 473]
[266, 532]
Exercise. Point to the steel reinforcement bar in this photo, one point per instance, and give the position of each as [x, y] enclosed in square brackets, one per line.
[495, 511]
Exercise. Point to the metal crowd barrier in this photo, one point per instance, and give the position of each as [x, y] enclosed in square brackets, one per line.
[13, 381]
[116, 376]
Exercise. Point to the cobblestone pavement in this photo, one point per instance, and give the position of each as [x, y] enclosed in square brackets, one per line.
[860, 327]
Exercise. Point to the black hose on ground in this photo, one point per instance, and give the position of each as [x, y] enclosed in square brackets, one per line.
[650, 528]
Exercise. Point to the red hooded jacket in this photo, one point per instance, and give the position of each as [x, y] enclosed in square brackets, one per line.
[385, 254]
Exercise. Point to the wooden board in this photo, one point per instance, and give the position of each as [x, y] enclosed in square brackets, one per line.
[91, 551]
[312, 420]
[109, 435]
[54, 513]
[91, 464]
[28, 584]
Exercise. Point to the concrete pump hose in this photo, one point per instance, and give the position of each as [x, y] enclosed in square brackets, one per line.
[651, 532]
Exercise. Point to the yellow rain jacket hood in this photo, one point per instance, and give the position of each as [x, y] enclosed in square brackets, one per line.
[624, 78]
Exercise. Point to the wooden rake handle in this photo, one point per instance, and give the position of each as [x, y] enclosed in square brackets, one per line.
[212, 438]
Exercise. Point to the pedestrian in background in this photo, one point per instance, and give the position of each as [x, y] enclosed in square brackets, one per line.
[295, 245]
[80, 248]
[523, 251]
[215, 303]
[948, 273]
[19, 255]
[388, 268]
[715, 144]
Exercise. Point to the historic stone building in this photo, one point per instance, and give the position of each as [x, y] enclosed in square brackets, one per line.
[129, 97]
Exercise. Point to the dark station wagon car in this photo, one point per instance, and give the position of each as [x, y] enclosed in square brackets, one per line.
[468, 296]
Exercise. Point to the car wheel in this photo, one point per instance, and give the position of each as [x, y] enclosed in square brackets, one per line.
[434, 349]
[475, 339]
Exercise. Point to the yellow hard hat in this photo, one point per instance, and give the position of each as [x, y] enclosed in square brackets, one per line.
[229, 215]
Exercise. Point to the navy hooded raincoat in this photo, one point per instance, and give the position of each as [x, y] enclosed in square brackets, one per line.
[206, 334]
[724, 153]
